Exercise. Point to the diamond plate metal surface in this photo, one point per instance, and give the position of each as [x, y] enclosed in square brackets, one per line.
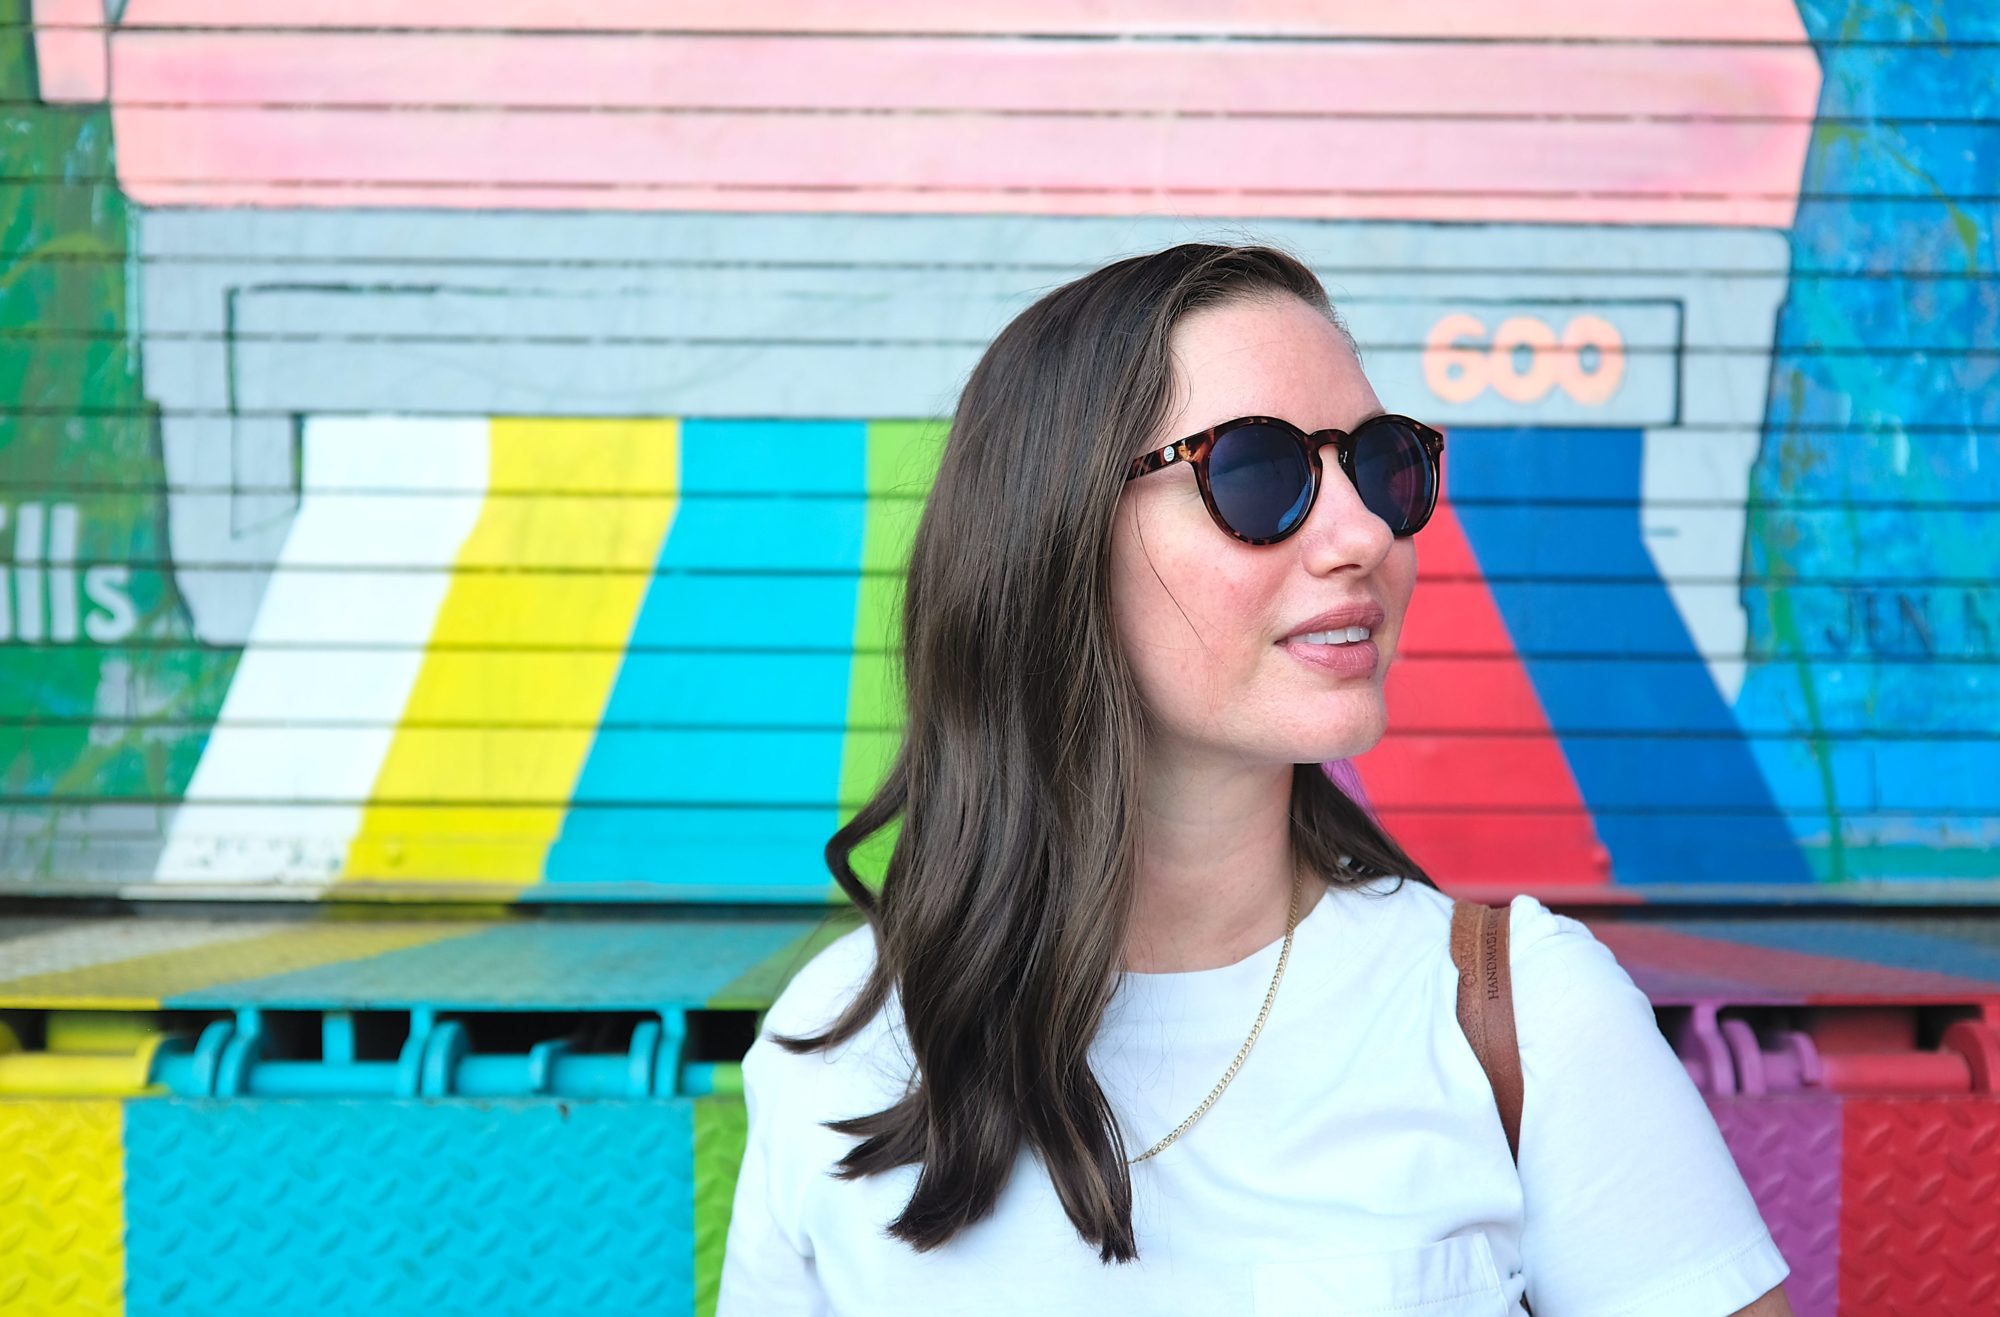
[1920, 1207]
[721, 1128]
[33, 948]
[1788, 1150]
[1801, 958]
[1965, 946]
[419, 1207]
[61, 1215]
[156, 975]
[602, 964]
[761, 981]
[631, 962]
[638, 961]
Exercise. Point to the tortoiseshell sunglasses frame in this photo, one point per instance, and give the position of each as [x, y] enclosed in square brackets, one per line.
[1195, 449]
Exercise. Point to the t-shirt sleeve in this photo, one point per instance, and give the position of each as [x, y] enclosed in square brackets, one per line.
[768, 1268]
[1633, 1204]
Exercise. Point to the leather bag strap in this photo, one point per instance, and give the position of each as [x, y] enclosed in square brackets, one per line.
[1486, 1005]
[1486, 1010]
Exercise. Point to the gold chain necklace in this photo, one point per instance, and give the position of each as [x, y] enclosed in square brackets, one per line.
[1284, 954]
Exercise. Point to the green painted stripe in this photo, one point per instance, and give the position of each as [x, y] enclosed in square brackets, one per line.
[903, 460]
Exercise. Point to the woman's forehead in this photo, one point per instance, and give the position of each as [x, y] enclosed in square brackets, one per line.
[1265, 358]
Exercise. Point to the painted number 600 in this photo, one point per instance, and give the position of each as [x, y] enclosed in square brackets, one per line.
[1461, 362]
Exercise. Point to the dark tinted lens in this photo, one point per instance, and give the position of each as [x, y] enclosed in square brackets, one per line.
[1393, 473]
[1259, 479]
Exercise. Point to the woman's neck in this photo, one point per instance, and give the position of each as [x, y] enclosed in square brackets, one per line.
[1215, 866]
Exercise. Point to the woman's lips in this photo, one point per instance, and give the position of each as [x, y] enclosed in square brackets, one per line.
[1358, 659]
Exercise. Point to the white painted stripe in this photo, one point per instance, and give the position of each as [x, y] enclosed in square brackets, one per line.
[247, 815]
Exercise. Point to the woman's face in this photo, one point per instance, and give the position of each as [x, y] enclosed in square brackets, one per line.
[1208, 621]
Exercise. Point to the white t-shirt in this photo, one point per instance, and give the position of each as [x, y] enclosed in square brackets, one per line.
[1355, 1164]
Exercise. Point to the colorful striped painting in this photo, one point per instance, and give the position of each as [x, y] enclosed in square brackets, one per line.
[467, 450]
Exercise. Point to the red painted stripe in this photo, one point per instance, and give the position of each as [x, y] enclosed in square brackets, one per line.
[1408, 769]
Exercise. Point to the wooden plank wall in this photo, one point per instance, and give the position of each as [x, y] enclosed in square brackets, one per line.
[408, 407]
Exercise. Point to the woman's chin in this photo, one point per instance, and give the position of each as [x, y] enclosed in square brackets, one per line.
[1349, 737]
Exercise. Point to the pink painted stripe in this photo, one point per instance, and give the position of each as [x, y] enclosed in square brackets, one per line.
[1373, 78]
[70, 57]
[1345, 168]
[1517, 210]
[1713, 20]
[1781, 976]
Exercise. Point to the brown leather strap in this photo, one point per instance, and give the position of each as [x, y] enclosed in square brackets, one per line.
[1486, 1010]
[1486, 1005]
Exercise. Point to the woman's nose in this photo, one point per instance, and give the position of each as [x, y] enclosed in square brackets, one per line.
[1343, 518]
[1334, 481]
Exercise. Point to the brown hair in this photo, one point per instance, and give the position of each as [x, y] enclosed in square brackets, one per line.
[1002, 917]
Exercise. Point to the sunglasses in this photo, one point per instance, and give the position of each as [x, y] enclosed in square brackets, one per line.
[1260, 475]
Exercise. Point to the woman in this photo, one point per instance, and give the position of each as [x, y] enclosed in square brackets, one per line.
[1133, 634]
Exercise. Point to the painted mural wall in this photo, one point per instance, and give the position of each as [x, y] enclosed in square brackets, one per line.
[471, 448]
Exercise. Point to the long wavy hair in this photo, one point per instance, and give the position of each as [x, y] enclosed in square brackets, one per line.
[1001, 922]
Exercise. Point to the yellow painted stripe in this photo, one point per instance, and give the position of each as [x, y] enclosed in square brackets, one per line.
[481, 797]
[62, 1206]
[144, 982]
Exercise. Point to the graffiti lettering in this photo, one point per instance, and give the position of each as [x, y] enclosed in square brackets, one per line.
[1587, 360]
[1982, 608]
[1915, 623]
[39, 590]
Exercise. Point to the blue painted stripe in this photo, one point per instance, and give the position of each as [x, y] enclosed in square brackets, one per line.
[1623, 774]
